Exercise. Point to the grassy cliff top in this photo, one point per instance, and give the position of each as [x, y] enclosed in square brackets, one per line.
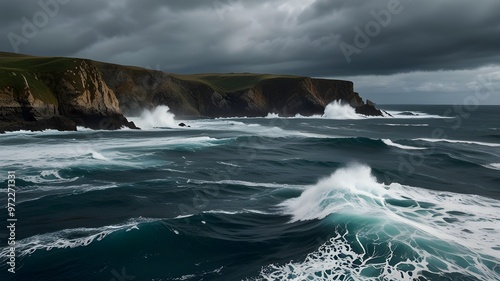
[17, 70]
[17, 62]
[232, 82]
[11, 63]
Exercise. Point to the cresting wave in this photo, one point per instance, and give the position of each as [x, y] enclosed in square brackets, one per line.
[461, 142]
[405, 125]
[72, 238]
[441, 232]
[223, 212]
[391, 143]
[249, 184]
[493, 166]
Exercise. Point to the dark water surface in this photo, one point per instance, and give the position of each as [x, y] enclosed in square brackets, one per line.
[414, 197]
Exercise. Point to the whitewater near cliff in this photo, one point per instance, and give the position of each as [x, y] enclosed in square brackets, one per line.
[334, 196]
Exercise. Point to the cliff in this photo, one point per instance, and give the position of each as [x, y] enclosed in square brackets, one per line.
[55, 93]
[39, 93]
[222, 95]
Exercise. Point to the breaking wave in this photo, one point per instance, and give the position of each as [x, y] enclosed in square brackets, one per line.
[159, 117]
[442, 233]
[334, 110]
[338, 110]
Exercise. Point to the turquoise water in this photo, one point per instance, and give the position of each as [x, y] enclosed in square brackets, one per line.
[412, 197]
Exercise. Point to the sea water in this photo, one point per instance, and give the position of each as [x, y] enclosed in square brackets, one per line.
[338, 196]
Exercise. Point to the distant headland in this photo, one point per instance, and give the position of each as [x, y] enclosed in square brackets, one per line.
[38, 93]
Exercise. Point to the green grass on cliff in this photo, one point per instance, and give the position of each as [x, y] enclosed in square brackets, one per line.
[16, 62]
[233, 82]
[221, 82]
[15, 67]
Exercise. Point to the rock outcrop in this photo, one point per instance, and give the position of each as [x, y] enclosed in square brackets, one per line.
[224, 95]
[55, 93]
[38, 93]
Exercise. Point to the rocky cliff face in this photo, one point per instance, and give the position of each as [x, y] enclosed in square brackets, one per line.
[227, 94]
[62, 93]
[73, 94]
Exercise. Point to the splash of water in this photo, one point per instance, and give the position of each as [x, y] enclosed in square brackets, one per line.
[338, 110]
[159, 117]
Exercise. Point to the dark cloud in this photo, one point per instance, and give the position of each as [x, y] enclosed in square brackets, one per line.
[294, 36]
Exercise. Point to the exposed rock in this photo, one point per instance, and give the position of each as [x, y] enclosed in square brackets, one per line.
[38, 99]
[55, 122]
[368, 110]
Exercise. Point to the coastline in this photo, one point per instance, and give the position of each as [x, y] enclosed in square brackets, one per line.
[38, 93]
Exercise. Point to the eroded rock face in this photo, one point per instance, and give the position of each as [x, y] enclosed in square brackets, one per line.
[76, 96]
[84, 97]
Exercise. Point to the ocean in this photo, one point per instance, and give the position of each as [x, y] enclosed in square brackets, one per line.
[415, 196]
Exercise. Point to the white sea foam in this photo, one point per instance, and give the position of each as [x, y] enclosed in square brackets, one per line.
[50, 174]
[71, 238]
[406, 125]
[249, 184]
[228, 164]
[391, 143]
[159, 117]
[251, 129]
[316, 201]
[84, 129]
[99, 156]
[39, 192]
[272, 115]
[334, 110]
[493, 166]
[334, 260]
[244, 211]
[338, 110]
[341, 111]
[177, 142]
[414, 115]
[226, 212]
[460, 230]
[46, 176]
[274, 128]
[355, 190]
[461, 141]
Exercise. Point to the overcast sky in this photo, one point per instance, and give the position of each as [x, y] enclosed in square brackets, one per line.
[405, 51]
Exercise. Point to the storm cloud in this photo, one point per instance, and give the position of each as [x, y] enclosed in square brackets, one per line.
[321, 38]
